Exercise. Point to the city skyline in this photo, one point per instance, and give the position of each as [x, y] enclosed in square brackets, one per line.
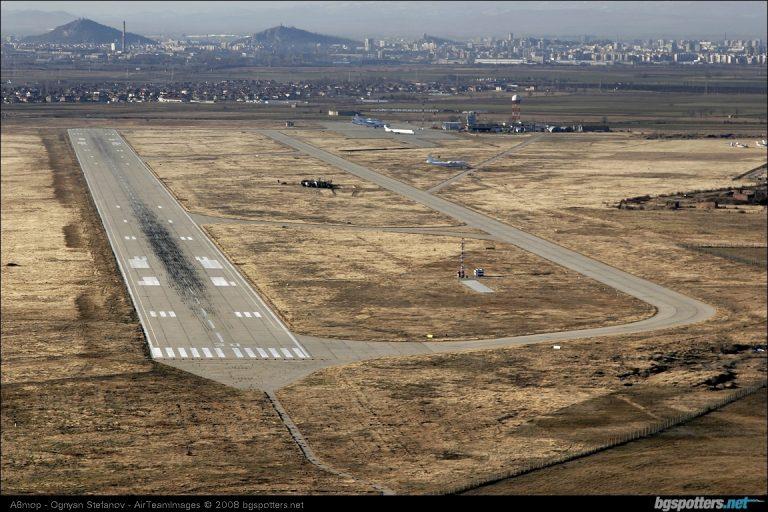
[614, 20]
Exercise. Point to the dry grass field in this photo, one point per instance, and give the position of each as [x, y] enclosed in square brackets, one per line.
[684, 460]
[420, 424]
[589, 170]
[408, 165]
[242, 174]
[76, 417]
[401, 286]
[84, 410]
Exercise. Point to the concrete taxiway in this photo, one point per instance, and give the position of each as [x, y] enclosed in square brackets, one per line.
[201, 315]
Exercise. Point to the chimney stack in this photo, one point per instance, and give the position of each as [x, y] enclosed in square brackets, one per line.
[123, 36]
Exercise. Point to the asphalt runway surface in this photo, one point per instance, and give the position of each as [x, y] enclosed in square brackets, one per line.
[191, 302]
[201, 315]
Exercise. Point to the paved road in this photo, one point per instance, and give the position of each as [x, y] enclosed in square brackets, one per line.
[484, 163]
[673, 309]
[199, 313]
[191, 301]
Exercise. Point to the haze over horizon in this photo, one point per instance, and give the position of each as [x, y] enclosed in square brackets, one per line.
[354, 19]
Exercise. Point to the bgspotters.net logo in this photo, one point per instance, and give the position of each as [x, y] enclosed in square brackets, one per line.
[701, 503]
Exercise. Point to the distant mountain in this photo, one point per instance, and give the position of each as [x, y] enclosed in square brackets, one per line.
[28, 21]
[286, 36]
[85, 31]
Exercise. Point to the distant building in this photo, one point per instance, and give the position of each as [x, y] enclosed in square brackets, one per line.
[452, 125]
[343, 113]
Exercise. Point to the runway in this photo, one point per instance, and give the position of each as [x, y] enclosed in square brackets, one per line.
[201, 315]
[192, 303]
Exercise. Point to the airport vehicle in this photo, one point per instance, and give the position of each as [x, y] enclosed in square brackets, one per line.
[479, 272]
[367, 121]
[761, 143]
[737, 144]
[397, 130]
[447, 163]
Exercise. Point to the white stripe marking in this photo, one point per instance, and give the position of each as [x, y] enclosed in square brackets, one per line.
[219, 281]
[169, 352]
[299, 353]
[238, 314]
[149, 281]
[274, 353]
[250, 352]
[152, 314]
[257, 314]
[195, 353]
[157, 353]
[237, 352]
[207, 353]
[219, 352]
[287, 353]
[211, 324]
[138, 262]
[247, 314]
[182, 352]
[172, 314]
[163, 314]
[262, 353]
[208, 263]
[218, 335]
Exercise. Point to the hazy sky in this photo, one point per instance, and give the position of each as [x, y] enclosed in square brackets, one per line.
[448, 19]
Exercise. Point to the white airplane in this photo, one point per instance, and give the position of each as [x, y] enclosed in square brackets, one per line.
[447, 163]
[761, 143]
[397, 130]
[737, 144]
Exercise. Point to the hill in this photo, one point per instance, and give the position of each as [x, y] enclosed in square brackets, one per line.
[30, 21]
[85, 31]
[286, 36]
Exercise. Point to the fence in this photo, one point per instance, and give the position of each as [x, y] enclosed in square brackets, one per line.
[720, 250]
[611, 443]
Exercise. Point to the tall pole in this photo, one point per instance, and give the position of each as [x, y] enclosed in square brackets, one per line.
[123, 36]
[461, 273]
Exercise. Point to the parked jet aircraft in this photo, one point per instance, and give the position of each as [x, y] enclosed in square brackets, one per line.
[397, 130]
[447, 163]
[367, 121]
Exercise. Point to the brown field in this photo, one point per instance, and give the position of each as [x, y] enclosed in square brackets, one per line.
[75, 380]
[84, 410]
[589, 170]
[367, 285]
[409, 165]
[241, 174]
[684, 460]
[423, 424]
